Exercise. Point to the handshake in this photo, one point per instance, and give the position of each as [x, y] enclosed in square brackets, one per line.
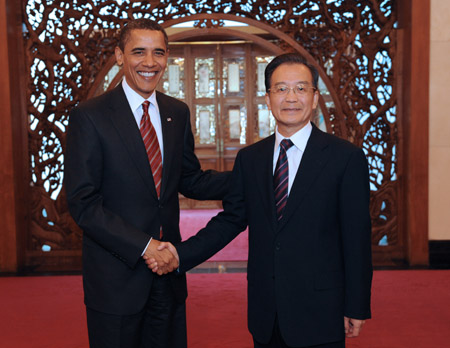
[161, 257]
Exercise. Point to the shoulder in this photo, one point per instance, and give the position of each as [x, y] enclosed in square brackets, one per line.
[333, 141]
[102, 101]
[261, 147]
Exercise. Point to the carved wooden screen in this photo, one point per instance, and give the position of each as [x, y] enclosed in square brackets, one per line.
[69, 42]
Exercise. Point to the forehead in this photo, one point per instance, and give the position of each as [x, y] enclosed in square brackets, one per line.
[145, 38]
[291, 72]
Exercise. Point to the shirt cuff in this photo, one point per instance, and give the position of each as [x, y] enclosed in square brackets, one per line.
[146, 246]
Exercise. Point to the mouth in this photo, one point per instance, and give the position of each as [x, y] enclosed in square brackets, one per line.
[147, 74]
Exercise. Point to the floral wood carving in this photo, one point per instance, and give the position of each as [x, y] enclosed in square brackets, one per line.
[69, 42]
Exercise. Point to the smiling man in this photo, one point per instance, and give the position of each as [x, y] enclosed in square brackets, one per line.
[304, 195]
[129, 153]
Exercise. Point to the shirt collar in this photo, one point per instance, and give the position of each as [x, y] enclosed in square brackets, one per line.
[135, 99]
[300, 138]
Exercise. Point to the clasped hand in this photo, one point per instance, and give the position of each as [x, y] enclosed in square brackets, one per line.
[161, 257]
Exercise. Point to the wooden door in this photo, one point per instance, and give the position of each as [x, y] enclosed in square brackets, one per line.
[225, 93]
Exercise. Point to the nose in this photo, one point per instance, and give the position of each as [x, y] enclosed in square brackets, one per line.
[149, 61]
[291, 95]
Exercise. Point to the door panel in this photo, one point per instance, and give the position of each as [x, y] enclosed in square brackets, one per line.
[220, 83]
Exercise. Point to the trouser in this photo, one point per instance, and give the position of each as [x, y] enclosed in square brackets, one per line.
[161, 324]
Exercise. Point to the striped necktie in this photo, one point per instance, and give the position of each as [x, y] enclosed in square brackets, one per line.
[281, 178]
[151, 143]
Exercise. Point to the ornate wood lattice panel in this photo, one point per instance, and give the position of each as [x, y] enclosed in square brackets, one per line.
[69, 42]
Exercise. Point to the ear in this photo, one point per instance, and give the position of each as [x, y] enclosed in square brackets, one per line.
[268, 100]
[119, 56]
[316, 99]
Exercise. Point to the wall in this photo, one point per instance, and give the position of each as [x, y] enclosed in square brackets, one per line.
[13, 121]
[8, 254]
[439, 129]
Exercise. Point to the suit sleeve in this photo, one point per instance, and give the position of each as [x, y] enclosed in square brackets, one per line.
[222, 229]
[83, 180]
[356, 236]
[196, 183]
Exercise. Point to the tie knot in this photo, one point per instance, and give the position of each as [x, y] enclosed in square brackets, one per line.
[145, 106]
[286, 144]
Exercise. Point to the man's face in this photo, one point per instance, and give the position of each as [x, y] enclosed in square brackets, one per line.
[292, 111]
[143, 60]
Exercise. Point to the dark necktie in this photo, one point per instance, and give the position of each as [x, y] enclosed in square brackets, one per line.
[281, 178]
[151, 146]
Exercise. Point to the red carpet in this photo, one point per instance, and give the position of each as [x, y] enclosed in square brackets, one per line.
[191, 221]
[411, 309]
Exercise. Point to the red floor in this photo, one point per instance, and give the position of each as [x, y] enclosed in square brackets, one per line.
[411, 309]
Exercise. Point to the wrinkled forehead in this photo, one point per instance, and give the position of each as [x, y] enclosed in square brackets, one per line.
[292, 71]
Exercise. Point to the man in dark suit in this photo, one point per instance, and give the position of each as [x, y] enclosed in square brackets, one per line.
[129, 152]
[304, 194]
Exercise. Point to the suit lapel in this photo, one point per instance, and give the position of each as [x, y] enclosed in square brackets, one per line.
[264, 177]
[312, 163]
[125, 124]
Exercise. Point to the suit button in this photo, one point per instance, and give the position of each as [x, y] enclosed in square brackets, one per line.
[160, 206]
[277, 246]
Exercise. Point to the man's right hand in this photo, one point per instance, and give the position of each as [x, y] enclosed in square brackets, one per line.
[161, 257]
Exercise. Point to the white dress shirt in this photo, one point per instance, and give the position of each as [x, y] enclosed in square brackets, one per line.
[295, 153]
[135, 100]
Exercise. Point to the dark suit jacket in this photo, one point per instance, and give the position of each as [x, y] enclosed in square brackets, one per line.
[314, 266]
[112, 196]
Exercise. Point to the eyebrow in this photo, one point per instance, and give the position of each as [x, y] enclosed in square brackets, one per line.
[296, 83]
[139, 49]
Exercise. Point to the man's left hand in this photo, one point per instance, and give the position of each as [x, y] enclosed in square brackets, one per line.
[353, 326]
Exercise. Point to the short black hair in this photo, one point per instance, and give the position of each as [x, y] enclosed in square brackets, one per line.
[140, 23]
[289, 58]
